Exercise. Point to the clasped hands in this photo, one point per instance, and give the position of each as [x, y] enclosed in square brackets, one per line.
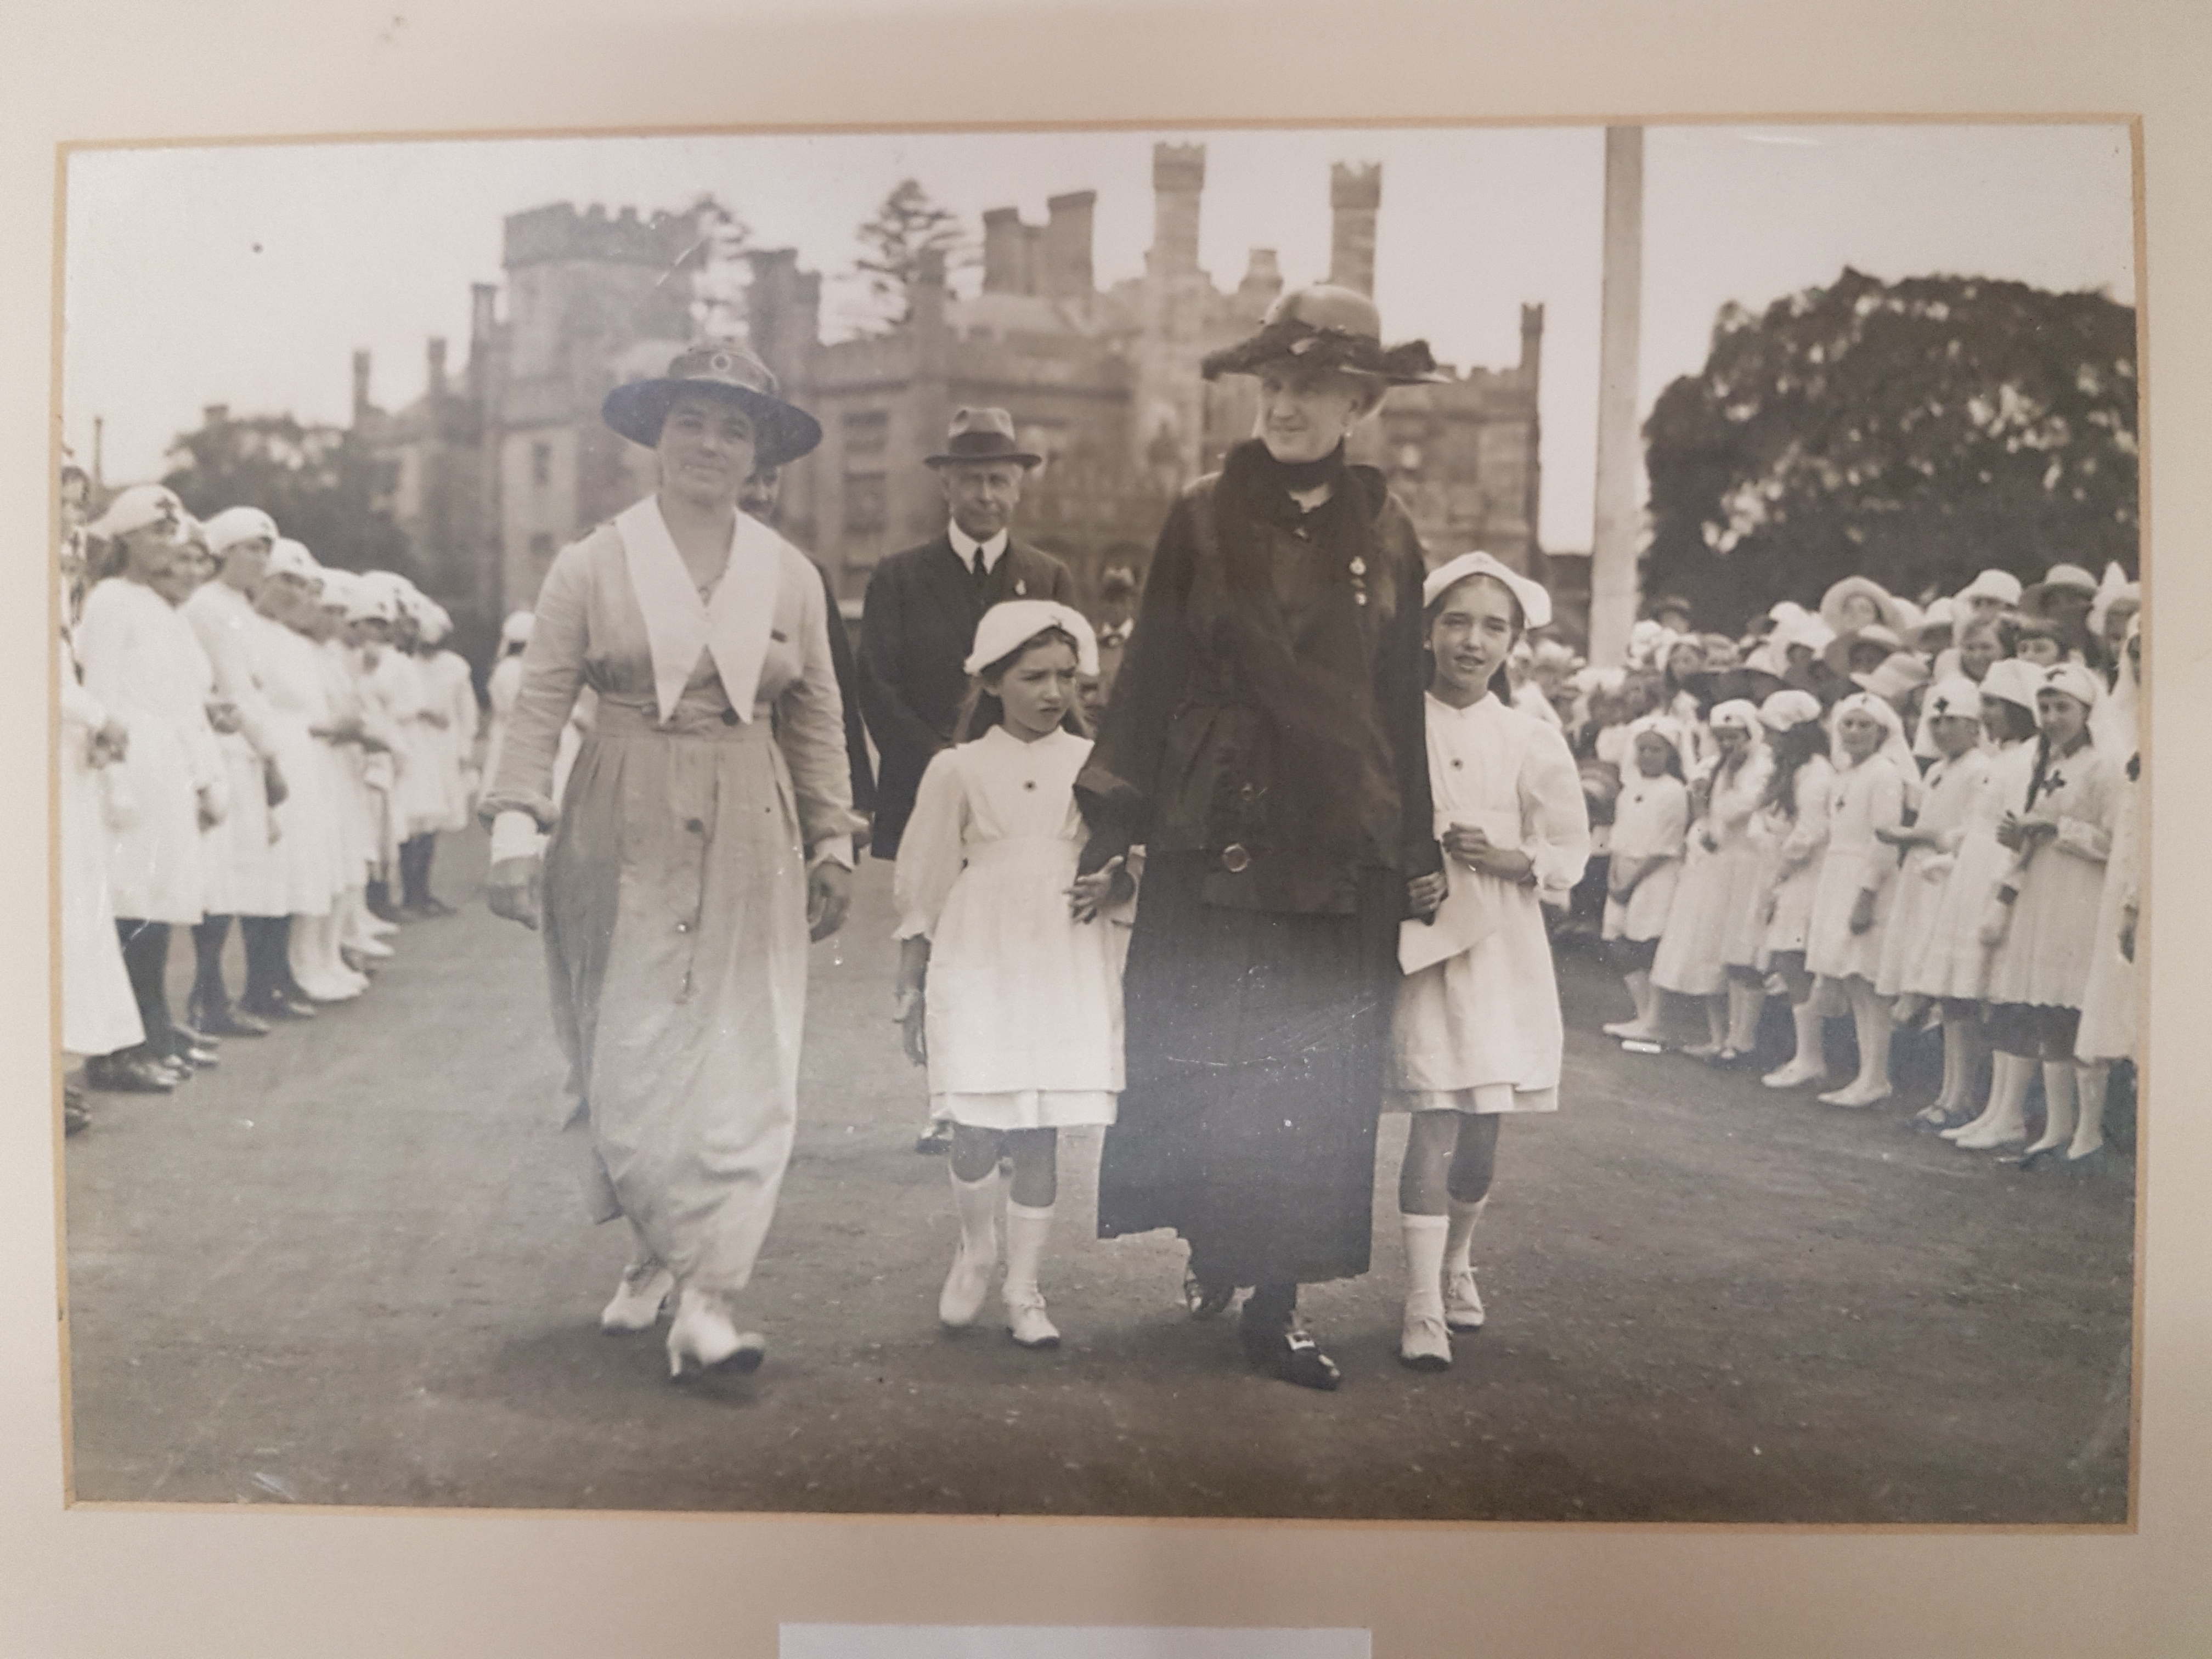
[2015, 833]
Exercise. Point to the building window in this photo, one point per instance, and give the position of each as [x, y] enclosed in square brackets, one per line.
[867, 432]
[865, 504]
[541, 464]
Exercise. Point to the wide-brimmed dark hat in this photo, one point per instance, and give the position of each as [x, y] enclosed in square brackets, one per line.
[1327, 327]
[722, 368]
[980, 436]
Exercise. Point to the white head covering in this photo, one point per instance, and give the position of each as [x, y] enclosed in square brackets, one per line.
[1894, 748]
[1899, 672]
[291, 558]
[1940, 614]
[2069, 575]
[1958, 697]
[1736, 714]
[1787, 710]
[2010, 680]
[1999, 584]
[368, 601]
[139, 507]
[2115, 586]
[1665, 726]
[515, 630]
[2077, 682]
[235, 524]
[1012, 623]
[1888, 611]
[436, 622]
[2112, 722]
[1805, 630]
[337, 588]
[1535, 598]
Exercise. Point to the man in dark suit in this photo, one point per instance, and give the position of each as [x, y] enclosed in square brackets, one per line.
[918, 622]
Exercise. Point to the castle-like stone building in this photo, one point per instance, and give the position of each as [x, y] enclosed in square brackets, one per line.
[490, 472]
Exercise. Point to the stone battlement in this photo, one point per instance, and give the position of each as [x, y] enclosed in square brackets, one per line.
[557, 232]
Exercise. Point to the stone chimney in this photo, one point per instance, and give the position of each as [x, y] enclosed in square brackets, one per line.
[483, 325]
[1067, 238]
[1007, 265]
[1178, 182]
[783, 312]
[1355, 193]
[436, 379]
[1263, 284]
[1532, 341]
[360, 386]
[215, 414]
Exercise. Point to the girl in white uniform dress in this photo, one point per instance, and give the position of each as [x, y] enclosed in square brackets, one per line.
[1651, 822]
[2042, 923]
[2108, 1002]
[1717, 899]
[1953, 966]
[1876, 783]
[1477, 1034]
[1791, 831]
[1010, 987]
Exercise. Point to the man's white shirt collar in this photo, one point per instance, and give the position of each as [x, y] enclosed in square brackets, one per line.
[968, 547]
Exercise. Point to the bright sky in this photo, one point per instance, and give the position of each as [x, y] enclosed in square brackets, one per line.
[248, 275]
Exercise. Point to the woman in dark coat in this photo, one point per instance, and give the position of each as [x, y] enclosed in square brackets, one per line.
[1264, 745]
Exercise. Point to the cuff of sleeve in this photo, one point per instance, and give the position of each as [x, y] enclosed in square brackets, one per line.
[834, 850]
[514, 836]
[2086, 840]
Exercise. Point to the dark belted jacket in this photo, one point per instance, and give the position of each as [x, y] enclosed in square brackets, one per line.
[917, 626]
[1272, 715]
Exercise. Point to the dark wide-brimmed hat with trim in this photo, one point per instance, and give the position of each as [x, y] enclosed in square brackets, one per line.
[1325, 327]
[978, 437]
[721, 368]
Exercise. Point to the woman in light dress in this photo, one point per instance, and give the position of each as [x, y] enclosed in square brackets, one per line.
[2108, 1034]
[1476, 1034]
[705, 833]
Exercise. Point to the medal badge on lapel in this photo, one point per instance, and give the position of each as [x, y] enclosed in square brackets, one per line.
[1021, 588]
[1359, 570]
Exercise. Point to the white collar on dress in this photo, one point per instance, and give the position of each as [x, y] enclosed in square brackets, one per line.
[968, 548]
[733, 627]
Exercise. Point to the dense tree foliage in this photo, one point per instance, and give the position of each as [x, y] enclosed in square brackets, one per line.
[1914, 432]
[316, 483]
[908, 226]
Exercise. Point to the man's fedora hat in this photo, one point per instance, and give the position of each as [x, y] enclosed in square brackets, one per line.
[722, 368]
[1327, 327]
[981, 435]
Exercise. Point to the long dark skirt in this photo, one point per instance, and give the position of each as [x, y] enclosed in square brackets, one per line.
[1257, 1044]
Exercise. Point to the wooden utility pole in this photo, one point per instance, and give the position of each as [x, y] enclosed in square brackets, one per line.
[1619, 515]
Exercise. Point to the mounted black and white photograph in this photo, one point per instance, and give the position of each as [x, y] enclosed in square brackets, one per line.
[883, 822]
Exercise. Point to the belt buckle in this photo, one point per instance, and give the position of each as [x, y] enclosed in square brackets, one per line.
[1235, 858]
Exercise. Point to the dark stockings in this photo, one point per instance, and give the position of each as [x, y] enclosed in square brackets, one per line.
[146, 960]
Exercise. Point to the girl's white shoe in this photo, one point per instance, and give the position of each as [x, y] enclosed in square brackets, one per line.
[1794, 1076]
[1462, 1302]
[965, 1287]
[639, 1299]
[1424, 1343]
[1027, 1324]
[702, 1334]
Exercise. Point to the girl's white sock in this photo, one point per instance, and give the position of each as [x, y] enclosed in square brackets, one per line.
[2058, 1105]
[1746, 1003]
[2094, 1081]
[1807, 1016]
[1027, 1228]
[1426, 1242]
[1458, 1241]
[977, 1204]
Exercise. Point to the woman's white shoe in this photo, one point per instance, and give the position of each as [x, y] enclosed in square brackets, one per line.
[639, 1299]
[703, 1333]
[1027, 1324]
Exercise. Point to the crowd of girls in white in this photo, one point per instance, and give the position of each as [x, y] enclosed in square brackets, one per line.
[247, 737]
[1908, 829]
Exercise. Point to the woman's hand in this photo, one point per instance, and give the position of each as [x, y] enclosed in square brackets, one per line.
[829, 897]
[512, 889]
[1863, 911]
[2128, 916]
[1091, 894]
[210, 814]
[273, 786]
[1424, 894]
[111, 743]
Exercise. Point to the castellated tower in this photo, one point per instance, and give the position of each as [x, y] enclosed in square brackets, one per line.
[1355, 196]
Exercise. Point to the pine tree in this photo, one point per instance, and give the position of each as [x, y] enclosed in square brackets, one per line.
[907, 225]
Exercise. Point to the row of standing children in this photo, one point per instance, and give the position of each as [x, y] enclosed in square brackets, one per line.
[1009, 987]
[1809, 853]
